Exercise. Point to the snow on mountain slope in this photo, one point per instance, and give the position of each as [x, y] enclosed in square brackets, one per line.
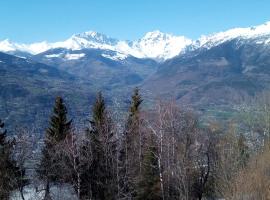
[7, 45]
[243, 33]
[89, 39]
[155, 45]
[117, 56]
[76, 42]
[35, 48]
[74, 56]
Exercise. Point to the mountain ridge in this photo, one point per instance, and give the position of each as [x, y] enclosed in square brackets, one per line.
[155, 45]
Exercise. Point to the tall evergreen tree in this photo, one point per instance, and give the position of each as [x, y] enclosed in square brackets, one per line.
[129, 155]
[149, 187]
[9, 172]
[50, 169]
[99, 180]
[60, 126]
[135, 104]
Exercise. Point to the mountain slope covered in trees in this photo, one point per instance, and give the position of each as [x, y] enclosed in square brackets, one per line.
[28, 88]
[220, 76]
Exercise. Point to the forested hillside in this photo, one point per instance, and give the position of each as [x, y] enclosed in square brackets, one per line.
[159, 153]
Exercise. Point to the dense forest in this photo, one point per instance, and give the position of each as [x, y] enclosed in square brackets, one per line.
[158, 153]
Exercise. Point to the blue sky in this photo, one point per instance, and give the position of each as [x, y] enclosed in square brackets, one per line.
[54, 20]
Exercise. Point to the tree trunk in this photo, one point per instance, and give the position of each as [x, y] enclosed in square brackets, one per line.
[21, 192]
[79, 185]
[47, 195]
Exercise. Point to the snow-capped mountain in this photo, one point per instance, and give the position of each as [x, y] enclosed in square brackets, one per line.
[256, 32]
[87, 40]
[155, 45]
[76, 42]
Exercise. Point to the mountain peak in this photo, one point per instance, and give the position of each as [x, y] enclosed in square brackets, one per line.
[154, 34]
[244, 33]
[161, 46]
[6, 45]
[93, 36]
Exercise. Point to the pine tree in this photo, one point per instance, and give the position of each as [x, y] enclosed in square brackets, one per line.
[60, 126]
[129, 155]
[99, 181]
[49, 169]
[149, 187]
[9, 172]
[135, 104]
[99, 111]
[98, 175]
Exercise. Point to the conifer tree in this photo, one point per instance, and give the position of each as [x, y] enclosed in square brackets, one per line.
[99, 181]
[60, 126]
[9, 172]
[129, 155]
[135, 104]
[149, 187]
[49, 169]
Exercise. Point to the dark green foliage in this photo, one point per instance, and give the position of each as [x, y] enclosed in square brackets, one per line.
[59, 124]
[95, 138]
[99, 180]
[50, 169]
[135, 104]
[98, 111]
[93, 179]
[128, 155]
[10, 174]
[149, 187]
